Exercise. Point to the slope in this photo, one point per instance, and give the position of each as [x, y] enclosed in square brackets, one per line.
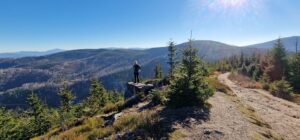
[45, 74]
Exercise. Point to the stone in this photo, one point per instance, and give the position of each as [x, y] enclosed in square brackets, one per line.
[134, 88]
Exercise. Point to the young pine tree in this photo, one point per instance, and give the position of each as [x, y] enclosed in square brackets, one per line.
[97, 98]
[278, 60]
[172, 57]
[66, 104]
[189, 88]
[275, 64]
[241, 60]
[40, 122]
[294, 72]
[67, 98]
[158, 72]
[114, 96]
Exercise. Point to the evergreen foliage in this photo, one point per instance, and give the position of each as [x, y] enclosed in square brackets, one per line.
[114, 97]
[158, 97]
[189, 88]
[40, 123]
[172, 57]
[277, 64]
[13, 126]
[294, 73]
[274, 67]
[158, 72]
[66, 112]
[26, 124]
[281, 89]
[97, 99]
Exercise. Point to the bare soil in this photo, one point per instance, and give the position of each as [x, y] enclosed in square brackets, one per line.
[282, 116]
[244, 114]
[248, 114]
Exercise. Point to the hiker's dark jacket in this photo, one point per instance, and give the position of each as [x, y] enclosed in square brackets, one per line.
[136, 68]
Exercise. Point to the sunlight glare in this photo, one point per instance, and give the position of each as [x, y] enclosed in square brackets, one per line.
[232, 3]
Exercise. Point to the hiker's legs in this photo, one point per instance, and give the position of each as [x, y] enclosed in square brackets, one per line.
[135, 78]
[138, 78]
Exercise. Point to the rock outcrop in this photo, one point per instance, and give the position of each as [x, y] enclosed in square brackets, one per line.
[134, 88]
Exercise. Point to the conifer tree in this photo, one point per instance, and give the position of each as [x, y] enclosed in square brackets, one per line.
[114, 96]
[241, 59]
[172, 58]
[189, 88]
[158, 71]
[275, 64]
[40, 123]
[97, 98]
[67, 97]
[294, 72]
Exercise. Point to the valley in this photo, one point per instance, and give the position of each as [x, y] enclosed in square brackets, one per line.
[45, 74]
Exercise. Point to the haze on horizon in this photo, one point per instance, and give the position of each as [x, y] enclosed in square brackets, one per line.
[35, 25]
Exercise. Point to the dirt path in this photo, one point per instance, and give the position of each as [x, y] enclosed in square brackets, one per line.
[282, 116]
[225, 122]
[247, 114]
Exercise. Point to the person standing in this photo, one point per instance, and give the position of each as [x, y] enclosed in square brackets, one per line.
[136, 72]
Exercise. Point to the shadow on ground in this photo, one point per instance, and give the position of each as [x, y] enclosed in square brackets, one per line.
[167, 119]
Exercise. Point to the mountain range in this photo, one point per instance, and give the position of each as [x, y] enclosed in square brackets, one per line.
[289, 42]
[45, 74]
[29, 53]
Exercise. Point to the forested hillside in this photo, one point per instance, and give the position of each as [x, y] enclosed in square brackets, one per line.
[44, 75]
[192, 99]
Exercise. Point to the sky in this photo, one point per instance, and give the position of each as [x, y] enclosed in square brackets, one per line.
[39, 25]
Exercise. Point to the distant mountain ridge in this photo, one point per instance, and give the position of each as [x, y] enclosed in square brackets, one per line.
[45, 74]
[289, 43]
[29, 53]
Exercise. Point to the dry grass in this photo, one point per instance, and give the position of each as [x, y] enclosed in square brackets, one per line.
[177, 135]
[75, 133]
[218, 86]
[111, 107]
[128, 123]
[296, 98]
[249, 112]
[251, 115]
[93, 128]
[267, 135]
[244, 81]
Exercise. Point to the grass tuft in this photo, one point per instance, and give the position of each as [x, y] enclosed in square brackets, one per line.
[245, 81]
[218, 86]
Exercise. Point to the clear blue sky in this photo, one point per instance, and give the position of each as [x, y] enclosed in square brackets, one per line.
[74, 24]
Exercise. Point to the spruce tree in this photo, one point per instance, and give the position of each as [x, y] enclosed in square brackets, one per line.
[67, 98]
[294, 72]
[97, 98]
[158, 72]
[40, 123]
[66, 114]
[114, 96]
[275, 63]
[172, 57]
[241, 59]
[189, 88]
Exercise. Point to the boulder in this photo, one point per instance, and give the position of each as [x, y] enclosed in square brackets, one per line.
[134, 88]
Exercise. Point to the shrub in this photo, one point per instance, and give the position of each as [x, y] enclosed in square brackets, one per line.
[144, 120]
[281, 89]
[189, 87]
[158, 97]
[265, 85]
[110, 107]
[218, 86]
[132, 122]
